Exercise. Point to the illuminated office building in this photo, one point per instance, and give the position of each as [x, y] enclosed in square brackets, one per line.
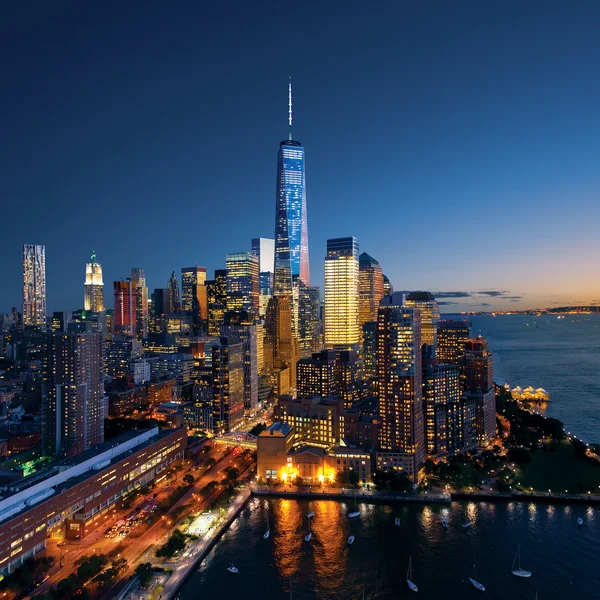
[216, 294]
[347, 377]
[191, 278]
[369, 350]
[93, 288]
[401, 441]
[341, 294]
[478, 378]
[316, 376]
[242, 282]
[73, 394]
[264, 248]
[141, 302]
[306, 315]
[34, 286]
[451, 339]
[370, 281]
[388, 288]
[174, 298]
[124, 317]
[429, 314]
[291, 229]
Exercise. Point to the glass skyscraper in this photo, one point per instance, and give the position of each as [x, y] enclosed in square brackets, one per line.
[34, 285]
[291, 230]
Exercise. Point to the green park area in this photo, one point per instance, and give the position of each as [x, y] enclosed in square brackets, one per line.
[557, 467]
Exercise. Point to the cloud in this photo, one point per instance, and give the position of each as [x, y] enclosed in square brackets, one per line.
[448, 303]
[452, 294]
[513, 298]
[491, 293]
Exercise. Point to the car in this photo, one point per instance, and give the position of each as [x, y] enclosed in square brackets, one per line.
[123, 532]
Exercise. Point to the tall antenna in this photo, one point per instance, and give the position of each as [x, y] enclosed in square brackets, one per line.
[290, 107]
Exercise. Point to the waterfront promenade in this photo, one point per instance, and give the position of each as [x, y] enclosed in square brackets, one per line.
[195, 553]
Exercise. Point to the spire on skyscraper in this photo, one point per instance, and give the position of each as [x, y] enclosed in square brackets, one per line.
[290, 107]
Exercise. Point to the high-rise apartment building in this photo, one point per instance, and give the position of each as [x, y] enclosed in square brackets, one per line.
[369, 350]
[307, 313]
[449, 417]
[73, 408]
[241, 326]
[34, 286]
[174, 298]
[341, 294]
[370, 281]
[216, 294]
[242, 282]
[429, 314]
[478, 378]
[291, 229]
[93, 287]
[399, 373]
[316, 376]
[451, 339]
[141, 302]
[161, 307]
[124, 317]
[228, 384]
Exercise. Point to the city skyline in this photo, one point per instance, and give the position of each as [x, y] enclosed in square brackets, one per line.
[457, 147]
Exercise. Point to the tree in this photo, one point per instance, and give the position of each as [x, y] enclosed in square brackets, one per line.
[519, 455]
[145, 574]
[175, 544]
[67, 586]
[232, 473]
[210, 463]
[188, 479]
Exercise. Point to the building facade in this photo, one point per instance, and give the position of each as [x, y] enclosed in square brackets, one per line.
[216, 294]
[125, 314]
[243, 282]
[341, 294]
[370, 278]
[429, 314]
[34, 286]
[401, 437]
[141, 302]
[451, 339]
[228, 385]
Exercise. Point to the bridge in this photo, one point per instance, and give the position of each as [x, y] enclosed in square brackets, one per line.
[236, 438]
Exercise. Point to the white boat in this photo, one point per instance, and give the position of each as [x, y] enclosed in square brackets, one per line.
[477, 585]
[308, 536]
[397, 522]
[233, 569]
[579, 521]
[310, 515]
[444, 524]
[267, 533]
[518, 572]
[355, 512]
[466, 524]
[411, 585]
[350, 540]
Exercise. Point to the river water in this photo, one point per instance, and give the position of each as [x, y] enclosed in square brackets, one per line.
[559, 355]
[562, 556]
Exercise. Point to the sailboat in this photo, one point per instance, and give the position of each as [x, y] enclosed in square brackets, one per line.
[310, 515]
[267, 533]
[474, 582]
[579, 521]
[350, 540]
[308, 536]
[444, 524]
[232, 568]
[466, 524]
[355, 512]
[518, 572]
[411, 585]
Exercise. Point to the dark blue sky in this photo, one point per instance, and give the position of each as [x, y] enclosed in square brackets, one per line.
[458, 141]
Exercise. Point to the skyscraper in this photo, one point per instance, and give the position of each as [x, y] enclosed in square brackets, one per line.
[370, 278]
[291, 230]
[401, 440]
[216, 296]
[34, 286]
[369, 350]
[316, 376]
[264, 248]
[191, 277]
[241, 326]
[141, 302]
[478, 378]
[242, 282]
[228, 384]
[307, 303]
[174, 298]
[429, 314]
[451, 339]
[388, 288]
[341, 294]
[73, 394]
[93, 288]
[124, 318]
